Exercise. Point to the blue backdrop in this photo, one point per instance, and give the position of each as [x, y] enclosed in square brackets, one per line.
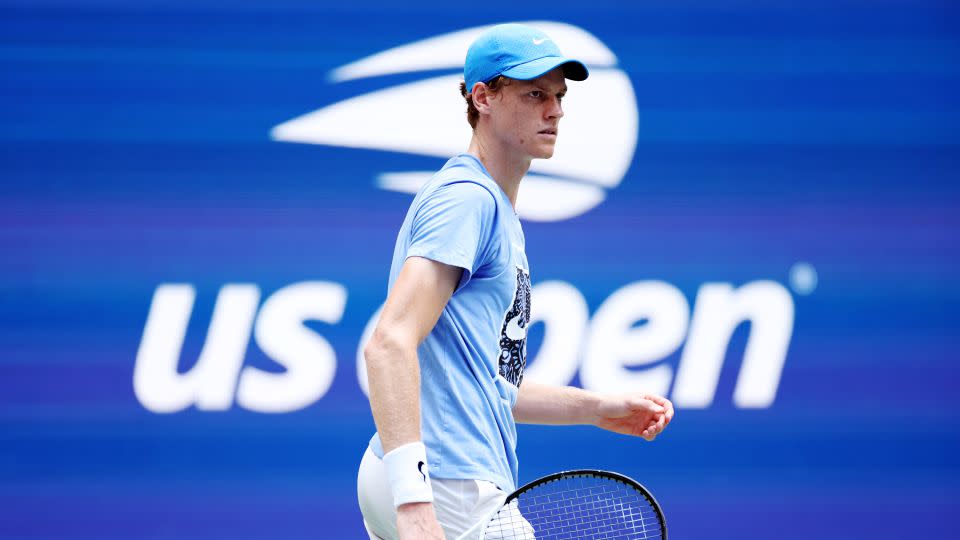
[792, 163]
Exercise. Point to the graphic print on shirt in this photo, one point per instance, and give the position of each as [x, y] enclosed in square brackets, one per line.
[513, 336]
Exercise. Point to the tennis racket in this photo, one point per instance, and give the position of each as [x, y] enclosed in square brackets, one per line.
[583, 504]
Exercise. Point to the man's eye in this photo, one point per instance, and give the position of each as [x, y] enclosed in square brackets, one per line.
[536, 93]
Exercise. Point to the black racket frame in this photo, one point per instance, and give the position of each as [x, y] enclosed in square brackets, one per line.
[598, 473]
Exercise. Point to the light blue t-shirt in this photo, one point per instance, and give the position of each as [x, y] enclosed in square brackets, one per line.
[471, 363]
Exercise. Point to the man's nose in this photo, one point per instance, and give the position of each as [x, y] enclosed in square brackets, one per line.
[555, 109]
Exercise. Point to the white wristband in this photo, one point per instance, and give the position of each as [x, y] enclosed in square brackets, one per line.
[408, 474]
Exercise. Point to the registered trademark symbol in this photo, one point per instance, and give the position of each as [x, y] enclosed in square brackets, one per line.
[803, 278]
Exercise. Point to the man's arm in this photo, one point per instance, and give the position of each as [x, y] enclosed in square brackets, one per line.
[638, 414]
[415, 302]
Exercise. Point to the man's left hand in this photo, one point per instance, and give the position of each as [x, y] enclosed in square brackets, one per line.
[640, 415]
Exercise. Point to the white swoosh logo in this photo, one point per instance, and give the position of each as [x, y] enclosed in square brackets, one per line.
[539, 41]
[514, 330]
[575, 180]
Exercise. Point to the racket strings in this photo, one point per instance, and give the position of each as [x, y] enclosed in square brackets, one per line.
[578, 507]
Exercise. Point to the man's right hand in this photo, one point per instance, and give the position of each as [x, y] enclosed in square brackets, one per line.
[417, 521]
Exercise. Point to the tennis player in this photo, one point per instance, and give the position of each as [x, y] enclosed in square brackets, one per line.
[445, 362]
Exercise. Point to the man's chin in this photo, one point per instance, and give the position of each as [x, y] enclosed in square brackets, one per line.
[544, 153]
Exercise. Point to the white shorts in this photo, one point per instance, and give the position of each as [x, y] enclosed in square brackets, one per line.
[460, 504]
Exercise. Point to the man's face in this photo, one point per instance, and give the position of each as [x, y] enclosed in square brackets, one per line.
[525, 115]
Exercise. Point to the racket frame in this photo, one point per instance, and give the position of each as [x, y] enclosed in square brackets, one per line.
[576, 472]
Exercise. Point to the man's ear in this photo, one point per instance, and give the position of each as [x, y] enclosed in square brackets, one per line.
[482, 97]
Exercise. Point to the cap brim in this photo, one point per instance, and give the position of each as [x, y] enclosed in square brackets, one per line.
[572, 69]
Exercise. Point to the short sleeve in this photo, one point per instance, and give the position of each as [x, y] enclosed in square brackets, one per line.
[454, 225]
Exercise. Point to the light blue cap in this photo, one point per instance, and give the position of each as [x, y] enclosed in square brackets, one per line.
[518, 52]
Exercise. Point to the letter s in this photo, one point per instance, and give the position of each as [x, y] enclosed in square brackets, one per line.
[308, 357]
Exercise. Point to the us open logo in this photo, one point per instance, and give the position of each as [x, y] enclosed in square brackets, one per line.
[598, 133]
[607, 348]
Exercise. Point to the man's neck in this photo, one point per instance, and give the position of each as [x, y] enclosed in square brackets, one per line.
[506, 167]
